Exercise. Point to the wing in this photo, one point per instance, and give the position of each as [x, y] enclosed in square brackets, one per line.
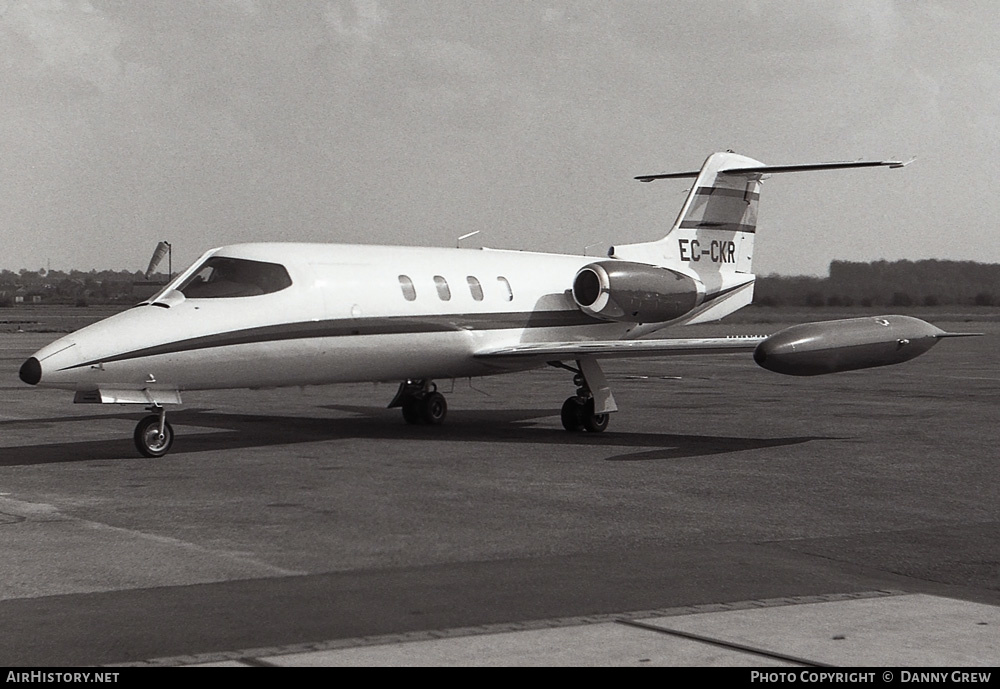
[619, 349]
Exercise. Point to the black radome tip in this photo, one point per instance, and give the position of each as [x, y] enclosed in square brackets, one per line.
[31, 371]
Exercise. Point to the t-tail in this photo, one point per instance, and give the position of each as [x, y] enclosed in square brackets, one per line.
[712, 239]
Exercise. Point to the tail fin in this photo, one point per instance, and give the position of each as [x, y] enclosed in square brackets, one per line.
[721, 201]
[714, 231]
[713, 236]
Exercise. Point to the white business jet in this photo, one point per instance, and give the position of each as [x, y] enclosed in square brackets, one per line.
[281, 314]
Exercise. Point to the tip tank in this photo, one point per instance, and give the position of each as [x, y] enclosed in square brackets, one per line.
[812, 349]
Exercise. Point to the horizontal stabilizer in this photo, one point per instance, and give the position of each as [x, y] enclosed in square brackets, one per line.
[771, 169]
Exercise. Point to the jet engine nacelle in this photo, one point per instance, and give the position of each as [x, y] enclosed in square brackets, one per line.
[633, 292]
[812, 349]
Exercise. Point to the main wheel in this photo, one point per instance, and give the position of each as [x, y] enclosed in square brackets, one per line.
[147, 437]
[572, 414]
[435, 408]
[594, 423]
[412, 411]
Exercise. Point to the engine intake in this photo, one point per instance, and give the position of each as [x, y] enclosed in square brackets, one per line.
[633, 292]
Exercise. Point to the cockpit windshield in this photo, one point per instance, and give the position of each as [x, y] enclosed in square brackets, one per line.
[220, 276]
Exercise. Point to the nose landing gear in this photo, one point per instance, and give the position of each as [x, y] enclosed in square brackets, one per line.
[421, 402]
[153, 435]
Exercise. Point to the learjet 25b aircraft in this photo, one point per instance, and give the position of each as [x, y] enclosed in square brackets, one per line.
[281, 314]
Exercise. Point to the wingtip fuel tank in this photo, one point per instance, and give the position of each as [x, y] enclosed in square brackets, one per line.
[811, 349]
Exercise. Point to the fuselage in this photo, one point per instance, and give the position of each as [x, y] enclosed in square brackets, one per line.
[344, 313]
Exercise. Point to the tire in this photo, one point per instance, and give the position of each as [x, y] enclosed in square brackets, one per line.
[412, 412]
[147, 439]
[572, 414]
[434, 408]
[594, 423]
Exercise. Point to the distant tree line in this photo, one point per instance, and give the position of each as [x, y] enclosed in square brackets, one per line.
[74, 287]
[884, 283]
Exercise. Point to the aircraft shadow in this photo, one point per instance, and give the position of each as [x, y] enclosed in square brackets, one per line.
[237, 431]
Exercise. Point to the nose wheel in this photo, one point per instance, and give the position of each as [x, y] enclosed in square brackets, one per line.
[421, 403]
[153, 435]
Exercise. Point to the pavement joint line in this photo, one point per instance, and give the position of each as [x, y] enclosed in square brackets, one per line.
[256, 654]
[38, 512]
[729, 645]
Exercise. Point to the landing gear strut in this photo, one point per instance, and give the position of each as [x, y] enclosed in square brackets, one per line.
[153, 435]
[579, 413]
[421, 402]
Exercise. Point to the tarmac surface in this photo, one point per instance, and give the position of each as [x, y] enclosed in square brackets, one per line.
[851, 519]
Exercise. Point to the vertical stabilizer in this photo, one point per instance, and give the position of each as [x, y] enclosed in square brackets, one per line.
[722, 202]
[714, 231]
[712, 239]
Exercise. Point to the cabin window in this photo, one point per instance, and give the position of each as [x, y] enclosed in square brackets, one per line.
[505, 288]
[406, 284]
[475, 288]
[220, 277]
[442, 287]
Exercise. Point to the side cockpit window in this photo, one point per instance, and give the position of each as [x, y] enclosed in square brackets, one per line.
[220, 277]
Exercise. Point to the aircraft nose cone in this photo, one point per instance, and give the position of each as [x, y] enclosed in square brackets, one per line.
[31, 371]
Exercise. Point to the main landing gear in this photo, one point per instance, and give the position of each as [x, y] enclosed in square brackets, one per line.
[587, 410]
[578, 415]
[421, 402]
[153, 435]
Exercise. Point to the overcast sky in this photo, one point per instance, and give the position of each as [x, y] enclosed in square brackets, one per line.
[212, 122]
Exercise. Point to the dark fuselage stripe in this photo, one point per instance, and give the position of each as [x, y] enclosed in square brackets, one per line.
[722, 191]
[388, 325]
[709, 225]
[343, 327]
